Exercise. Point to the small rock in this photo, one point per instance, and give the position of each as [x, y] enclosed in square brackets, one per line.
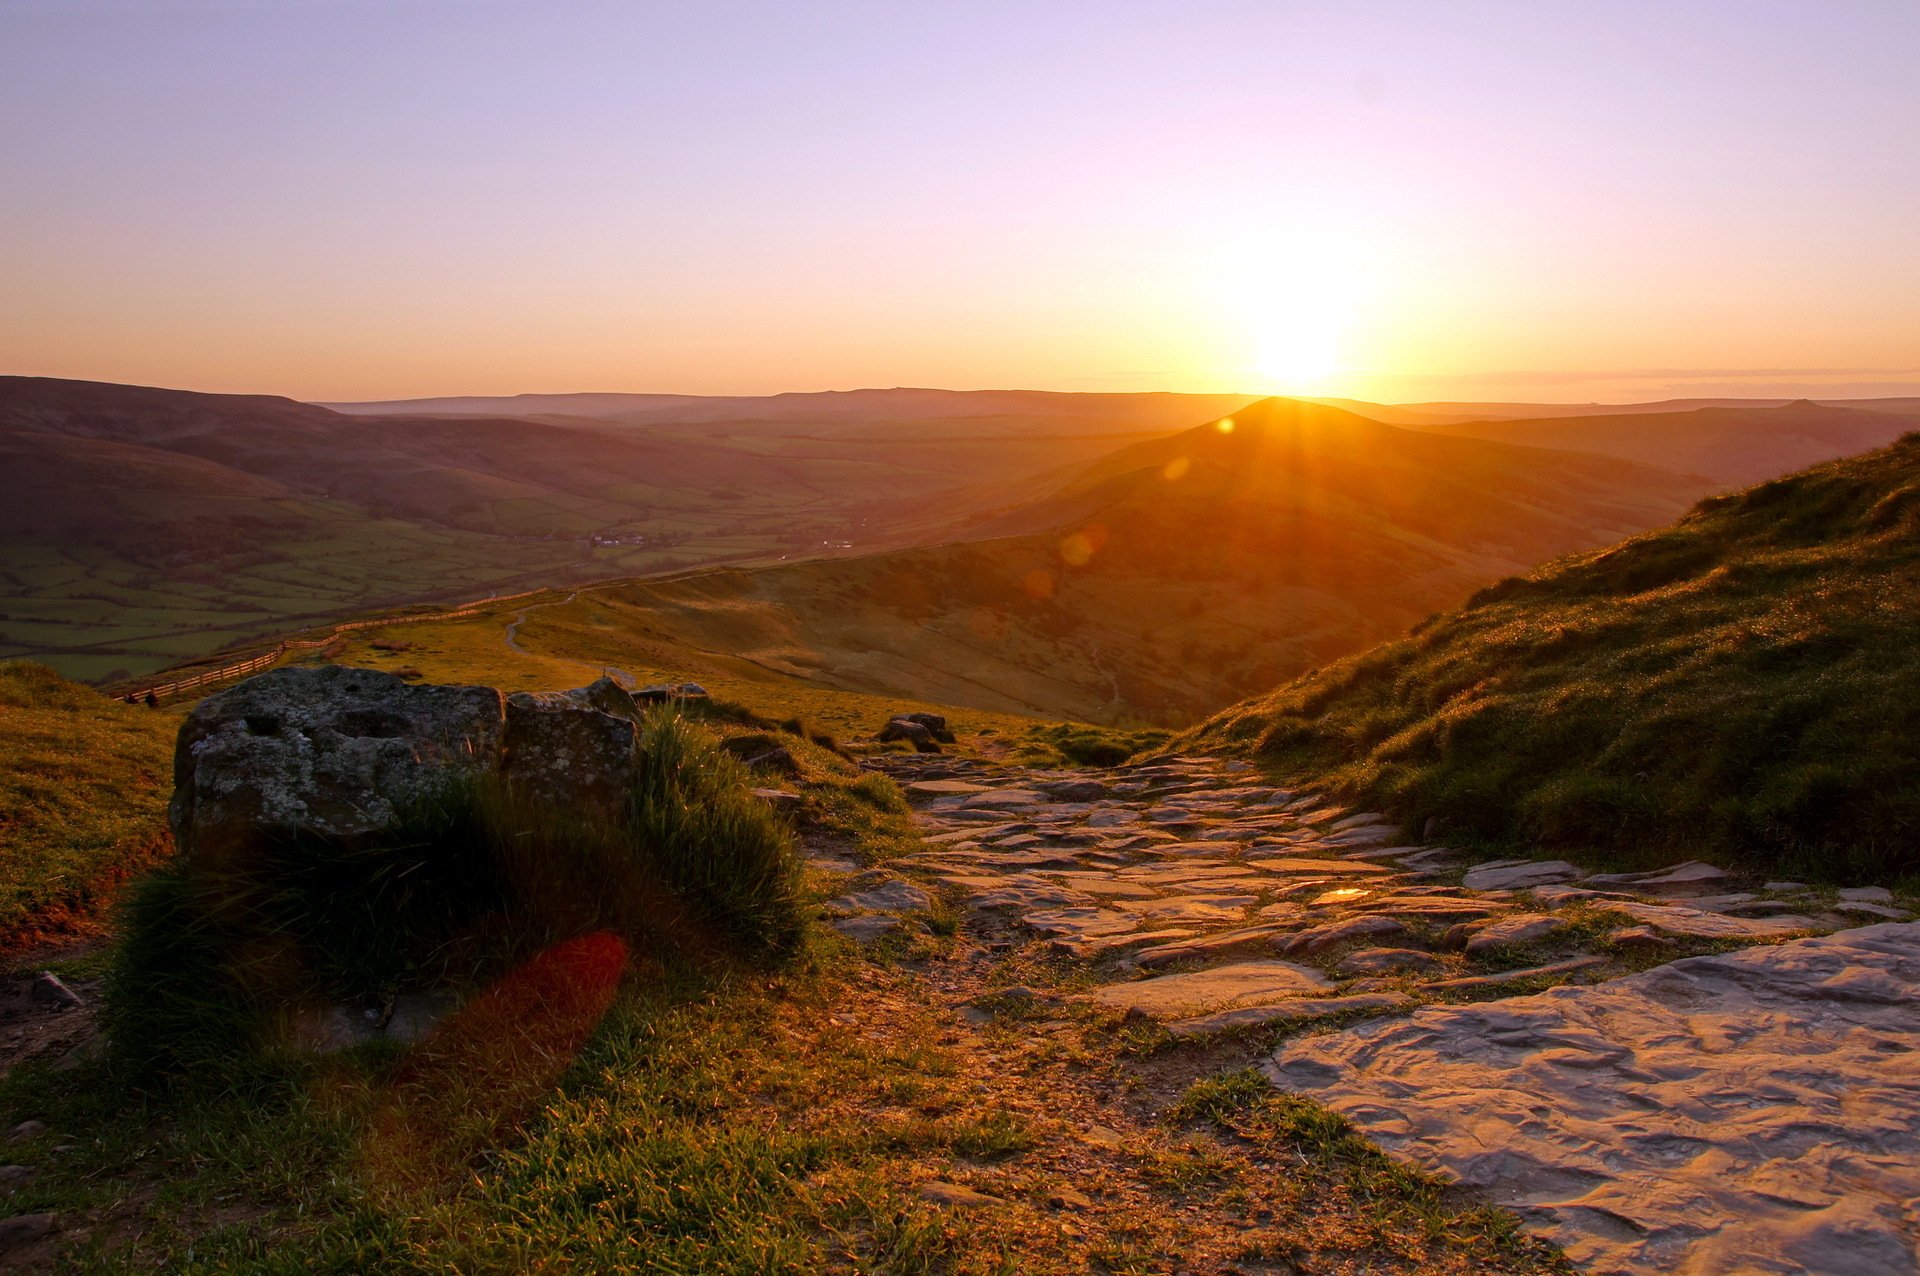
[21, 1230]
[1321, 938]
[1375, 961]
[1509, 875]
[26, 1130]
[48, 990]
[1866, 894]
[956, 1195]
[896, 896]
[1524, 929]
[867, 927]
[1785, 887]
[1637, 937]
[1513, 976]
[15, 1177]
[1104, 1136]
[1065, 1198]
[913, 733]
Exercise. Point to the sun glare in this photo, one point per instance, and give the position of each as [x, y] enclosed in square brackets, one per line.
[1294, 296]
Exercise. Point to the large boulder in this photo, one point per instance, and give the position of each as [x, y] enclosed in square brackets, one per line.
[344, 753]
[339, 752]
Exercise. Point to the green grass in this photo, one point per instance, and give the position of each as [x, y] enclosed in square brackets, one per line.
[83, 796]
[1741, 686]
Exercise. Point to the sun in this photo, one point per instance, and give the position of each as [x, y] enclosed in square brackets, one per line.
[1298, 351]
[1294, 296]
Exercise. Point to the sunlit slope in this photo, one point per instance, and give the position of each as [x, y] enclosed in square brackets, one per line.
[1731, 445]
[140, 527]
[1167, 579]
[1745, 683]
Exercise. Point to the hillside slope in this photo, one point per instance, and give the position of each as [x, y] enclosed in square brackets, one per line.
[1745, 683]
[1732, 445]
[142, 526]
[1165, 580]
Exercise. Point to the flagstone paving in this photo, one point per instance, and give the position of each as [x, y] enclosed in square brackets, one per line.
[1193, 894]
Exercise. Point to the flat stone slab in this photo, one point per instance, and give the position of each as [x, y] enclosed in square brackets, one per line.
[1755, 1111]
[1511, 875]
[1222, 987]
[1676, 919]
[1298, 1011]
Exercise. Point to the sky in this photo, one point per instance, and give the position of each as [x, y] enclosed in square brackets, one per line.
[1439, 199]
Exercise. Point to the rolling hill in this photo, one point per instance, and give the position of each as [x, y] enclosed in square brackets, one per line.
[1157, 584]
[144, 526]
[1733, 446]
[1743, 684]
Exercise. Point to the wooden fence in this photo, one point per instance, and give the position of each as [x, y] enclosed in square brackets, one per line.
[254, 664]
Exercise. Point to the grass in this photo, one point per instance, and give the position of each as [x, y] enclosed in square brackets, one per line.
[83, 796]
[1395, 1195]
[1742, 686]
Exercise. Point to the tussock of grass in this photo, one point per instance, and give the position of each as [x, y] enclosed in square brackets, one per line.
[83, 797]
[1744, 685]
[1080, 744]
[218, 960]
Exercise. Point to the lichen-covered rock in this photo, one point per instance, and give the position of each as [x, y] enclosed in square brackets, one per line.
[565, 748]
[339, 752]
[344, 753]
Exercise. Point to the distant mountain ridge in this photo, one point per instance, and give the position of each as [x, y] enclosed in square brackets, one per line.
[1170, 576]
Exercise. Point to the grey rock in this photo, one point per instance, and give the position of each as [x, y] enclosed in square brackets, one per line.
[1752, 1111]
[26, 1130]
[1518, 874]
[957, 1195]
[1866, 894]
[22, 1230]
[330, 750]
[571, 749]
[1321, 938]
[913, 733]
[1523, 929]
[14, 1177]
[1380, 961]
[867, 927]
[1690, 878]
[1297, 1011]
[895, 896]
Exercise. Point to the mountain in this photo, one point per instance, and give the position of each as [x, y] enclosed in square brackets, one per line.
[1743, 684]
[1455, 413]
[858, 411]
[142, 526]
[1732, 446]
[1162, 581]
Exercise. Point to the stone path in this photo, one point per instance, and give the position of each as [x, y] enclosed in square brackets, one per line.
[1193, 894]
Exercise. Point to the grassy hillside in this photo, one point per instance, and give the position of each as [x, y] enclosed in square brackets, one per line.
[83, 796]
[1733, 445]
[1743, 685]
[1156, 585]
[141, 527]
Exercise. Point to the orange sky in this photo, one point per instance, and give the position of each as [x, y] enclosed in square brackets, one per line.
[1595, 199]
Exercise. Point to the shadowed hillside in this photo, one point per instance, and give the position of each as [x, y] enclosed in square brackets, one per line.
[1164, 580]
[144, 526]
[1731, 445]
[1745, 683]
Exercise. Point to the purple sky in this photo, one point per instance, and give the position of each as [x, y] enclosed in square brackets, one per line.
[1562, 199]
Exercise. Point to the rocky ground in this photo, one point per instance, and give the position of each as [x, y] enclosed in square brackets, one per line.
[1638, 1114]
